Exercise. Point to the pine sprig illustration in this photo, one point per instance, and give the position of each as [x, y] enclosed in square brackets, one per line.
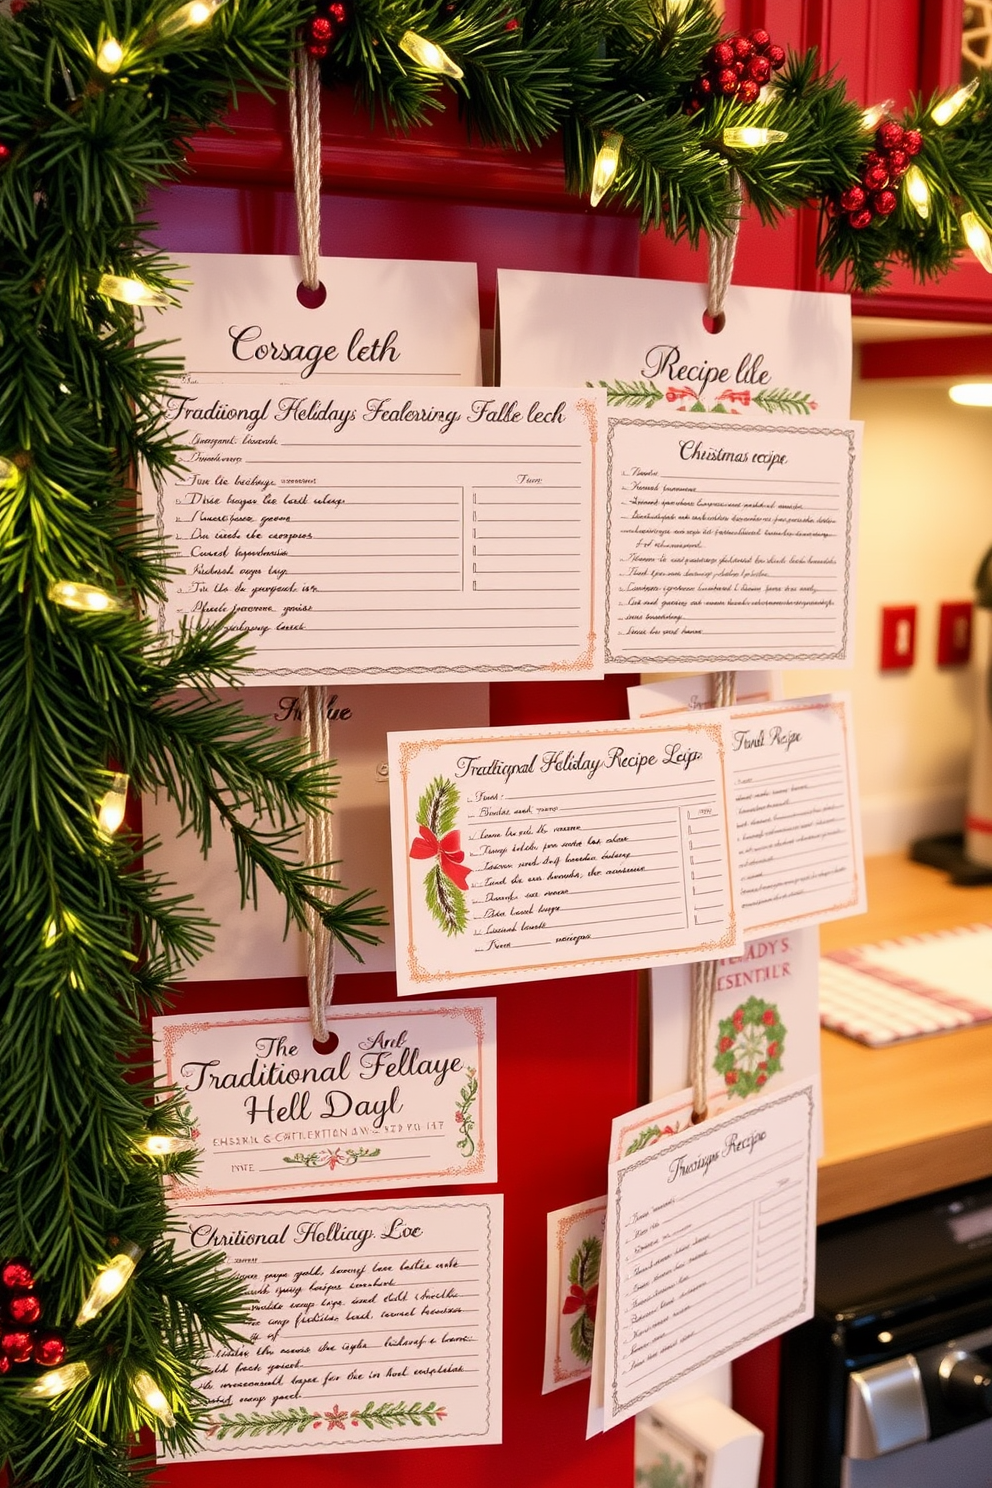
[463, 1113]
[645, 1138]
[781, 400]
[583, 1272]
[397, 1413]
[446, 903]
[641, 394]
[275, 1423]
[437, 808]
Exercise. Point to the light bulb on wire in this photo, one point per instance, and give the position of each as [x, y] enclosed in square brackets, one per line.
[55, 1382]
[747, 137]
[110, 56]
[978, 240]
[8, 470]
[918, 191]
[872, 117]
[428, 55]
[86, 599]
[109, 1282]
[131, 291]
[113, 805]
[189, 17]
[151, 1394]
[605, 167]
[157, 1144]
[949, 107]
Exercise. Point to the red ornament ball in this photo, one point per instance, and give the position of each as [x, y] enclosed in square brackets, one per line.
[853, 199]
[748, 91]
[49, 1350]
[17, 1276]
[722, 54]
[24, 1310]
[727, 80]
[776, 56]
[4, 1364]
[17, 1345]
[317, 51]
[759, 69]
[912, 141]
[898, 163]
[320, 29]
[512, 25]
[705, 87]
[4, 153]
[861, 219]
[885, 203]
[888, 136]
[760, 40]
[875, 177]
[743, 48]
[338, 11]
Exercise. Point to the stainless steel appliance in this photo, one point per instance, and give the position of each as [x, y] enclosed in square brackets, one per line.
[890, 1384]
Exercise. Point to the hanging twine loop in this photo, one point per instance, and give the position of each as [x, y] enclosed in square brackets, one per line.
[704, 973]
[304, 119]
[722, 252]
[304, 127]
[319, 844]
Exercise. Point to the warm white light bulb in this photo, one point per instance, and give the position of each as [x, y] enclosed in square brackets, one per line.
[605, 167]
[157, 1144]
[426, 54]
[944, 111]
[7, 470]
[86, 598]
[131, 291]
[918, 191]
[113, 805]
[110, 1281]
[56, 1381]
[110, 56]
[872, 117]
[749, 138]
[972, 394]
[978, 240]
[149, 1393]
[187, 17]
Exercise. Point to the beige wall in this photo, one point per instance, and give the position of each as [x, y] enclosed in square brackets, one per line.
[926, 520]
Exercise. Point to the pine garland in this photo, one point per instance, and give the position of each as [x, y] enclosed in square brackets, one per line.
[92, 938]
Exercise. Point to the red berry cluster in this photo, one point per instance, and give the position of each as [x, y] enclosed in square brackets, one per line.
[326, 27]
[21, 1340]
[737, 67]
[881, 169]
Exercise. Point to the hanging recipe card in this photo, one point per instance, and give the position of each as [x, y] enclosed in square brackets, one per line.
[544, 852]
[710, 1239]
[732, 474]
[383, 320]
[375, 1327]
[382, 534]
[405, 1097]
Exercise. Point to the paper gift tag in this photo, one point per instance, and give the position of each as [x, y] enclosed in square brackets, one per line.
[764, 1030]
[732, 478]
[710, 1241]
[545, 852]
[406, 1097]
[388, 533]
[782, 355]
[383, 319]
[575, 1248]
[250, 943]
[376, 1326]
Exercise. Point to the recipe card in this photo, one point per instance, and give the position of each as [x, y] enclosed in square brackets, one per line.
[401, 1096]
[405, 322]
[375, 1327]
[575, 1249]
[710, 1238]
[548, 851]
[794, 778]
[382, 533]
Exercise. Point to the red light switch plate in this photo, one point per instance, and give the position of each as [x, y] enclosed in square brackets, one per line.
[954, 634]
[898, 638]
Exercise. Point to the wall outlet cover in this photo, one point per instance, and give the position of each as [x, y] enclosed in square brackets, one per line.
[898, 648]
[954, 633]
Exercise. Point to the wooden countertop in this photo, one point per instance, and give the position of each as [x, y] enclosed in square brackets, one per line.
[904, 1121]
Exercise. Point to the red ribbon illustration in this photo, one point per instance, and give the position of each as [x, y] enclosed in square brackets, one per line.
[743, 397]
[578, 1299]
[675, 393]
[448, 853]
